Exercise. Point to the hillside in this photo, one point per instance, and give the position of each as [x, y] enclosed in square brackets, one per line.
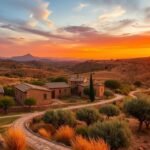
[128, 70]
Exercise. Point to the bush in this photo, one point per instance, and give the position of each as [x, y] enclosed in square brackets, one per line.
[9, 91]
[48, 127]
[59, 79]
[138, 83]
[15, 140]
[124, 89]
[88, 115]
[83, 131]
[30, 102]
[86, 91]
[112, 84]
[140, 109]
[109, 110]
[6, 102]
[108, 93]
[65, 134]
[37, 82]
[83, 144]
[60, 117]
[115, 133]
[44, 133]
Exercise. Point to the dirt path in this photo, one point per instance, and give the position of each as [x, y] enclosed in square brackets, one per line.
[38, 143]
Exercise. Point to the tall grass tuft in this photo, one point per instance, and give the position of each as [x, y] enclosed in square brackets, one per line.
[15, 139]
[80, 143]
[44, 133]
[65, 134]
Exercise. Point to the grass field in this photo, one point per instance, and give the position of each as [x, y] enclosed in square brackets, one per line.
[5, 122]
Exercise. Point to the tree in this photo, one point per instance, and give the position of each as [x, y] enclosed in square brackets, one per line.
[140, 109]
[59, 117]
[108, 93]
[109, 110]
[6, 102]
[115, 133]
[91, 90]
[59, 79]
[9, 91]
[112, 84]
[30, 102]
[88, 115]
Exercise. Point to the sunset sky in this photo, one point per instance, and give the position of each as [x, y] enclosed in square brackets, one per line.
[87, 29]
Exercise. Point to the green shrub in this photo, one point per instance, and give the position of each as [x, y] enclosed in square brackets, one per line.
[88, 115]
[112, 84]
[110, 110]
[30, 102]
[86, 91]
[83, 131]
[59, 118]
[140, 109]
[37, 82]
[138, 83]
[124, 89]
[59, 79]
[6, 102]
[108, 93]
[9, 91]
[115, 133]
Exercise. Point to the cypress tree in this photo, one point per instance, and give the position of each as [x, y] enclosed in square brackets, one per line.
[91, 89]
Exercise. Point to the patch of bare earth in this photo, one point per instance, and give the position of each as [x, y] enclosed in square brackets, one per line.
[140, 140]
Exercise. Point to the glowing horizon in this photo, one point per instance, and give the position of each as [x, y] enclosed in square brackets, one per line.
[82, 29]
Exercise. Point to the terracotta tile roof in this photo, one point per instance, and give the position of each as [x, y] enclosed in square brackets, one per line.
[54, 85]
[26, 86]
[1, 90]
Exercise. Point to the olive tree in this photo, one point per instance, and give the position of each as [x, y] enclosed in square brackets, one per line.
[110, 110]
[140, 109]
[6, 102]
[30, 102]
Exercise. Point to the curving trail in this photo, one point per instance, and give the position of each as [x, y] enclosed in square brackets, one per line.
[39, 143]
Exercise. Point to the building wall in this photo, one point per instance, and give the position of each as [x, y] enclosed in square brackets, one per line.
[61, 92]
[20, 96]
[38, 95]
[42, 97]
[99, 90]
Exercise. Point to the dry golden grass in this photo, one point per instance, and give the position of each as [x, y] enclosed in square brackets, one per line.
[65, 134]
[44, 133]
[80, 143]
[15, 139]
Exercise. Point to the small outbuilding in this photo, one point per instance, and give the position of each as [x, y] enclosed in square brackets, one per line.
[59, 89]
[42, 95]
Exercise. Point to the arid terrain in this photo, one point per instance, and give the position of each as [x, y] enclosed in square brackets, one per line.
[129, 70]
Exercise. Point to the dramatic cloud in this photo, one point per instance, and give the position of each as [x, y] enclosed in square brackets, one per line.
[116, 12]
[33, 31]
[81, 6]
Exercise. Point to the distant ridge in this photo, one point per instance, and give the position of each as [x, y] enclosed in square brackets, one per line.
[29, 57]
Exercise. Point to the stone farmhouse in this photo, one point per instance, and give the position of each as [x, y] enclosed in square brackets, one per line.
[25, 90]
[1, 92]
[55, 90]
[59, 89]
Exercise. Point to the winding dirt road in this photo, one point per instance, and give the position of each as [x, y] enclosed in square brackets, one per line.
[37, 142]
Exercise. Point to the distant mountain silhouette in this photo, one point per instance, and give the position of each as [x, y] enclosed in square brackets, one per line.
[24, 58]
[29, 57]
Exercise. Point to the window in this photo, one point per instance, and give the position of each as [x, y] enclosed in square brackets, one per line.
[45, 96]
